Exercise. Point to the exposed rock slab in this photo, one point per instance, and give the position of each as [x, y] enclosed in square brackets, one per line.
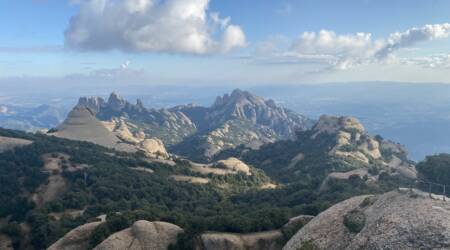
[269, 240]
[143, 235]
[77, 239]
[396, 220]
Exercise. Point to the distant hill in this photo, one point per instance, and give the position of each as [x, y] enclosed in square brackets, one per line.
[35, 118]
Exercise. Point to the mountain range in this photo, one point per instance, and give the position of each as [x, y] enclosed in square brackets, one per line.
[244, 173]
[201, 132]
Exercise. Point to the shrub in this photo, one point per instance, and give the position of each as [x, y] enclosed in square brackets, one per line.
[308, 245]
[354, 221]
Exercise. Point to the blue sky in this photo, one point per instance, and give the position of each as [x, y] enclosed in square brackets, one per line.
[262, 42]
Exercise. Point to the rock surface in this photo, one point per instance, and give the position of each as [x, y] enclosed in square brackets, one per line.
[395, 220]
[270, 240]
[142, 235]
[234, 164]
[154, 147]
[82, 125]
[77, 239]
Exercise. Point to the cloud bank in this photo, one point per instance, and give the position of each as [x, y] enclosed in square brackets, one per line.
[346, 51]
[170, 26]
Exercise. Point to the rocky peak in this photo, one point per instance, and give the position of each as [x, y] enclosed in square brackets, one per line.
[333, 125]
[139, 104]
[238, 98]
[93, 103]
[116, 102]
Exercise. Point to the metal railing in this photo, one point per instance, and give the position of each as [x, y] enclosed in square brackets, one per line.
[431, 188]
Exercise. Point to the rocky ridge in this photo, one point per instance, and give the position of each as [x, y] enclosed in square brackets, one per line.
[235, 119]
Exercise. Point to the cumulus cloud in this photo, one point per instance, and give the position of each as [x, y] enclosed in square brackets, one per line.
[172, 26]
[339, 51]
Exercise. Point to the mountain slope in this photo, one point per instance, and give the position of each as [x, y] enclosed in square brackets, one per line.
[236, 119]
[335, 148]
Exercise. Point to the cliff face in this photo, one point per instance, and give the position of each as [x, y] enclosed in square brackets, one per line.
[395, 220]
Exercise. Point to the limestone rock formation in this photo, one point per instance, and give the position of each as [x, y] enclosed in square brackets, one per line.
[395, 220]
[77, 239]
[143, 235]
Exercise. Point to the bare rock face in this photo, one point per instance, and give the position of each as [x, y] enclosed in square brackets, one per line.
[234, 164]
[82, 125]
[395, 220]
[143, 235]
[270, 240]
[77, 239]
[155, 148]
[333, 124]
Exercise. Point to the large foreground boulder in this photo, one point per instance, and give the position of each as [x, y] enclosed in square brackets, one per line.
[395, 220]
[143, 235]
[77, 239]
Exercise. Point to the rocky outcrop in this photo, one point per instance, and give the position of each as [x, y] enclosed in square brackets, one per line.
[154, 147]
[223, 167]
[270, 240]
[234, 164]
[395, 220]
[353, 143]
[77, 239]
[143, 235]
[246, 106]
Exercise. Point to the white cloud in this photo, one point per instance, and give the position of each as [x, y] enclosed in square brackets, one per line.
[412, 36]
[349, 50]
[172, 26]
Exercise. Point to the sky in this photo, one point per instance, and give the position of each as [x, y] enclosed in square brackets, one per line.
[239, 42]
